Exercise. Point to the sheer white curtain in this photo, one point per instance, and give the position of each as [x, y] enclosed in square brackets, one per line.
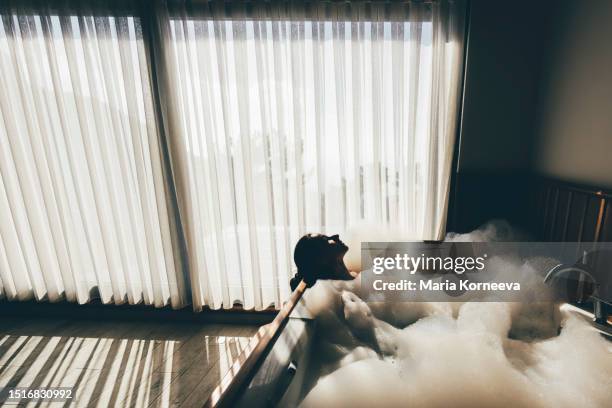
[83, 210]
[286, 120]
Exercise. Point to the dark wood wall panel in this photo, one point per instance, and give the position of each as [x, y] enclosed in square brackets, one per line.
[573, 213]
[574, 225]
[545, 209]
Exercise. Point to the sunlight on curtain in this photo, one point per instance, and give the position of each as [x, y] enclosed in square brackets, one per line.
[287, 124]
[82, 205]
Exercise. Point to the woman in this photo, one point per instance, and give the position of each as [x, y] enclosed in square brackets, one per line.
[319, 256]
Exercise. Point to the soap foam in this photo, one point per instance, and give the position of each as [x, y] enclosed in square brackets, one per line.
[487, 354]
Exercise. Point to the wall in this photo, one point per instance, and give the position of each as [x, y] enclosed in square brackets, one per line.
[499, 113]
[575, 130]
[538, 102]
[501, 85]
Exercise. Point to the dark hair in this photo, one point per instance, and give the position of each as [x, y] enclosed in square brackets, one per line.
[319, 256]
[305, 258]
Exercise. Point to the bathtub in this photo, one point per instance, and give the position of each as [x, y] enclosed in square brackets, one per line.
[280, 378]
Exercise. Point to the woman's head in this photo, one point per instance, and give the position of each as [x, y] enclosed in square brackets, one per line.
[320, 256]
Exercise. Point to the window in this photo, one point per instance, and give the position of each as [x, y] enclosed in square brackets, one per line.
[82, 203]
[293, 123]
[174, 153]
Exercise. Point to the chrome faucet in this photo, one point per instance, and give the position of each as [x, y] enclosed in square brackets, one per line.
[585, 277]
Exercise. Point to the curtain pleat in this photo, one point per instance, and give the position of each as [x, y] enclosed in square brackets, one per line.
[83, 207]
[295, 117]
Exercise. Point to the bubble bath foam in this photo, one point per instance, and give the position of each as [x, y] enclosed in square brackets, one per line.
[451, 354]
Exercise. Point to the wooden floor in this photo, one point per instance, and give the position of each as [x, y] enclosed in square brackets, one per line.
[119, 363]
